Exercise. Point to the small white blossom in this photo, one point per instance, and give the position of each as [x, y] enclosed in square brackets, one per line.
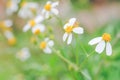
[28, 10]
[35, 25]
[10, 37]
[23, 54]
[49, 9]
[71, 26]
[102, 43]
[12, 6]
[46, 45]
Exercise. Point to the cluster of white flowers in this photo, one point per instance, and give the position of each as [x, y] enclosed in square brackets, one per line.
[6, 28]
[29, 10]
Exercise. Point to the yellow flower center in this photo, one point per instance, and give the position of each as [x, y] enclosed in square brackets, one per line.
[12, 41]
[69, 29]
[106, 37]
[23, 4]
[43, 45]
[48, 7]
[32, 23]
[9, 3]
[37, 32]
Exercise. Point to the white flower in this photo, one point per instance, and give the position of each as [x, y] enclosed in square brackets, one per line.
[23, 54]
[28, 10]
[71, 26]
[46, 45]
[50, 8]
[11, 39]
[12, 6]
[102, 43]
[35, 24]
[6, 23]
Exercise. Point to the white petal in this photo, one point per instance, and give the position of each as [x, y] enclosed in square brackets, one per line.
[69, 39]
[65, 36]
[47, 39]
[39, 19]
[47, 50]
[8, 34]
[55, 11]
[43, 11]
[66, 25]
[48, 2]
[78, 30]
[108, 49]
[95, 40]
[72, 21]
[100, 47]
[50, 43]
[26, 28]
[8, 23]
[40, 27]
[47, 15]
[55, 4]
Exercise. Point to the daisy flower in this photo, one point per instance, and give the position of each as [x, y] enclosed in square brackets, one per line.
[6, 23]
[23, 54]
[102, 43]
[12, 6]
[35, 25]
[10, 37]
[46, 45]
[71, 26]
[50, 8]
[28, 10]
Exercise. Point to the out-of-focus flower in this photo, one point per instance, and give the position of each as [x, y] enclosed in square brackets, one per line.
[10, 37]
[5, 25]
[35, 24]
[28, 10]
[12, 6]
[46, 45]
[102, 43]
[50, 8]
[23, 54]
[71, 26]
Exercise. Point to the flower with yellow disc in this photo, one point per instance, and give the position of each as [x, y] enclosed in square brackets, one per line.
[70, 27]
[102, 43]
[46, 45]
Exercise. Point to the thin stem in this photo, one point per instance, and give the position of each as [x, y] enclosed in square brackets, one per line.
[84, 49]
[87, 58]
[59, 20]
[57, 52]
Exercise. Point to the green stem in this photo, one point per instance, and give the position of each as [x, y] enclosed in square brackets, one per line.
[84, 49]
[74, 66]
